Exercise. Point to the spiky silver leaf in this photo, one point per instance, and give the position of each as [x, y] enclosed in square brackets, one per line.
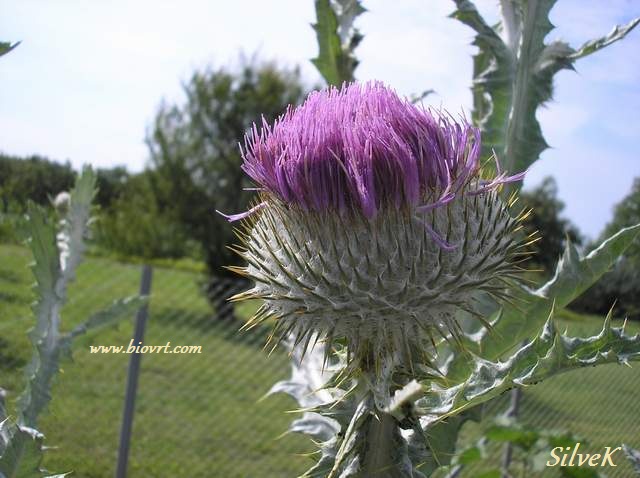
[551, 353]
[337, 39]
[57, 254]
[308, 385]
[513, 74]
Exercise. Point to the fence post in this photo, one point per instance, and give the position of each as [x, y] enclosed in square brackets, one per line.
[512, 412]
[132, 378]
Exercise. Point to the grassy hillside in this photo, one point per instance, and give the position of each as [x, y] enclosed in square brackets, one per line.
[199, 415]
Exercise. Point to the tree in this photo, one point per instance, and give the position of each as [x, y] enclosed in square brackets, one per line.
[546, 219]
[195, 158]
[619, 288]
[154, 236]
[32, 178]
[112, 184]
[627, 213]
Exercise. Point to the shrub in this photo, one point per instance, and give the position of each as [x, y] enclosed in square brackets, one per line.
[34, 178]
[619, 288]
[134, 226]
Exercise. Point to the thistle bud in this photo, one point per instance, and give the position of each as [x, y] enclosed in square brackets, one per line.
[374, 226]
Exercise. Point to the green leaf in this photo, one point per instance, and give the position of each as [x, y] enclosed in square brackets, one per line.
[490, 474]
[618, 33]
[21, 452]
[441, 439]
[6, 47]
[548, 355]
[513, 77]
[515, 434]
[580, 472]
[562, 439]
[56, 254]
[470, 455]
[118, 310]
[56, 257]
[45, 268]
[337, 39]
[75, 224]
[22, 455]
[49, 300]
[574, 275]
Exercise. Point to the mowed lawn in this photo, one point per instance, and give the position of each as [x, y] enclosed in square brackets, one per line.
[200, 415]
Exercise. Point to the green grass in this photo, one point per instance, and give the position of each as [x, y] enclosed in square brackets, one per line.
[196, 415]
[199, 415]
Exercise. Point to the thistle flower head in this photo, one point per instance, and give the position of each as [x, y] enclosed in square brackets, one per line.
[360, 148]
[375, 225]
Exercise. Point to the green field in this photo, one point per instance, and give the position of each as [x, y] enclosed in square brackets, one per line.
[200, 415]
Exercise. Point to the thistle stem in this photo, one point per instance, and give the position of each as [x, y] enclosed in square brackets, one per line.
[381, 447]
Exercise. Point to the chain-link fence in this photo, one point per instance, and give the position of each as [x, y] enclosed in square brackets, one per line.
[201, 414]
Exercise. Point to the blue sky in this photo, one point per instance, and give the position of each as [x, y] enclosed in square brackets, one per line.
[88, 77]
